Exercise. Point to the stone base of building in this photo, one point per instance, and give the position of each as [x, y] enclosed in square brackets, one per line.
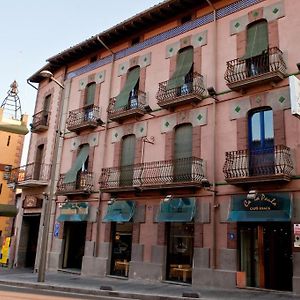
[145, 271]
[94, 266]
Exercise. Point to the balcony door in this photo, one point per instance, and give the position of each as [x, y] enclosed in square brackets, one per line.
[183, 153]
[46, 109]
[261, 143]
[127, 160]
[38, 162]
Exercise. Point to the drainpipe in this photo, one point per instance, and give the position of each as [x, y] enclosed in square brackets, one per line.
[215, 205]
[105, 139]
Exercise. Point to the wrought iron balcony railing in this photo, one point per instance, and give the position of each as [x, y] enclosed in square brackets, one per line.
[150, 175]
[83, 118]
[33, 174]
[136, 107]
[191, 91]
[244, 166]
[84, 184]
[40, 121]
[269, 66]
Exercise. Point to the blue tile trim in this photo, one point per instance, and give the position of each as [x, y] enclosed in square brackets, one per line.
[221, 13]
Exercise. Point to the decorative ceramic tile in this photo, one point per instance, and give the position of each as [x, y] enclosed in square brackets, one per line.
[75, 142]
[274, 12]
[198, 117]
[116, 135]
[82, 83]
[140, 129]
[168, 123]
[279, 99]
[172, 49]
[145, 60]
[123, 68]
[240, 108]
[93, 139]
[100, 77]
[199, 39]
[238, 25]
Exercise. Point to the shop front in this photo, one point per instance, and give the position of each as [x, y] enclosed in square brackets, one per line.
[178, 213]
[264, 233]
[120, 214]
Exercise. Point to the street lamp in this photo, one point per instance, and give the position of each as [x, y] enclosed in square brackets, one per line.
[47, 201]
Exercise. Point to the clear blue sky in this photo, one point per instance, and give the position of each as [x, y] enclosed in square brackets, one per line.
[32, 31]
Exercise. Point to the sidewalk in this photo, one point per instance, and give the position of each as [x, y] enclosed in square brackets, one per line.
[129, 289]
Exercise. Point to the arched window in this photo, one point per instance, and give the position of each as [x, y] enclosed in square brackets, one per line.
[127, 160]
[183, 145]
[261, 141]
[90, 93]
[257, 58]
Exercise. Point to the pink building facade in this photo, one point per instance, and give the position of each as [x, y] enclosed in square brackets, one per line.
[174, 149]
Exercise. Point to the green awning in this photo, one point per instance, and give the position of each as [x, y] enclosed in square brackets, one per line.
[120, 211]
[72, 218]
[77, 165]
[257, 39]
[7, 210]
[74, 212]
[263, 208]
[13, 128]
[184, 64]
[177, 210]
[132, 79]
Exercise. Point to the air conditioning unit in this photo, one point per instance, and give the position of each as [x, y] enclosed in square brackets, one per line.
[7, 168]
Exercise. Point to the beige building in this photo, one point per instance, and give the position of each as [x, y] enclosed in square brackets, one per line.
[173, 144]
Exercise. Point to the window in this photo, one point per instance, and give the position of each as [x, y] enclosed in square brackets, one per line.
[182, 78]
[186, 19]
[135, 40]
[261, 142]
[127, 160]
[93, 58]
[8, 141]
[0, 188]
[128, 98]
[183, 145]
[257, 58]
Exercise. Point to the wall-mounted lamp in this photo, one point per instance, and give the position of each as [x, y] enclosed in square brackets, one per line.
[48, 74]
[111, 201]
[206, 185]
[167, 198]
[212, 92]
[252, 194]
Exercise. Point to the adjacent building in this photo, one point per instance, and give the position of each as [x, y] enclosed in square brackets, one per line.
[169, 148]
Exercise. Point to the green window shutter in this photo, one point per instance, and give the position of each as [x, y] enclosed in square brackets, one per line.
[257, 39]
[132, 79]
[90, 93]
[184, 64]
[127, 160]
[77, 165]
[183, 141]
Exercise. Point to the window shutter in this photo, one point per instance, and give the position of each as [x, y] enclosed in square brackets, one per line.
[77, 165]
[127, 160]
[132, 79]
[90, 94]
[257, 39]
[183, 66]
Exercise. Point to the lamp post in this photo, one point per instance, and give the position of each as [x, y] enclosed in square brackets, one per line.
[47, 201]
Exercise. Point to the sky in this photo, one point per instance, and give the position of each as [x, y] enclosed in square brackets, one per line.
[33, 30]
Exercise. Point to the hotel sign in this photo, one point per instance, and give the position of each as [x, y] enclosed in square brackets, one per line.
[294, 83]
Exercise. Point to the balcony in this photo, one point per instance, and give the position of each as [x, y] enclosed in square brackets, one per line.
[136, 107]
[40, 121]
[31, 175]
[191, 91]
[84, 185]
[185, 172]
[244, 166]
[87, 117]
[267, 67]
